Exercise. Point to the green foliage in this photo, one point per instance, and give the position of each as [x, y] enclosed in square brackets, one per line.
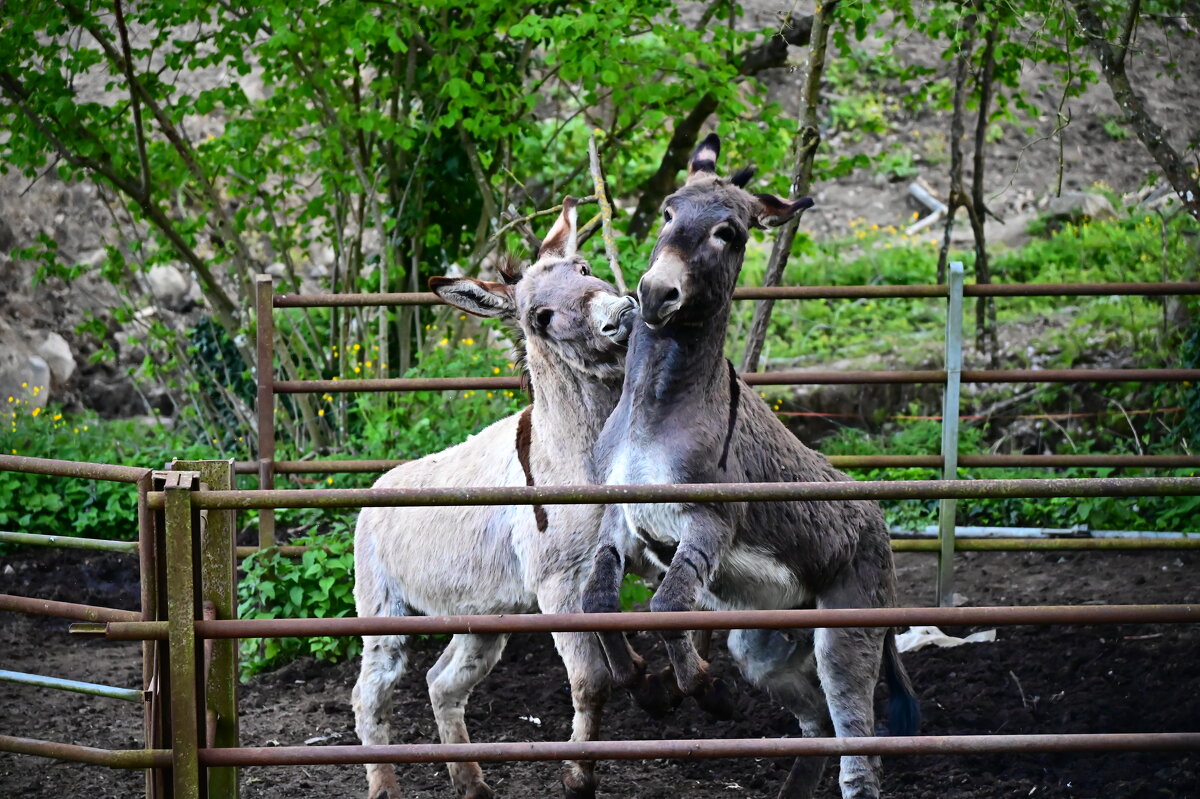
[77, 507]
[317, 585]
[634, 592]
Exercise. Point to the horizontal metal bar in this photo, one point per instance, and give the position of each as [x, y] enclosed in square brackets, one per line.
[803, 292]
[75, 686]
[113, 758]
[67, 542]
[364, 466]
[64, 610]
[356, 300]
[968, 544]
[684, 620]
[395, 384]
[814, 377]
[91, 471]
[691, 749]
[691, 492]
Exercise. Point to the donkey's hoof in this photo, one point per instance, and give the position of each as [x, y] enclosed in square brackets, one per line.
[576, 786]
[656, 694]
[717, 699]
[480, 790]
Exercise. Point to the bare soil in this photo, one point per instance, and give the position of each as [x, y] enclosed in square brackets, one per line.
[1121, 679]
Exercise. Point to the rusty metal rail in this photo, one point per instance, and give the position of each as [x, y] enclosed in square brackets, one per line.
[58, 468]
[804, 293]
[691, 492]
[65, 610]
[113, 758]
[703, 748]
[814, 377]
[369, 466]
[627, 622]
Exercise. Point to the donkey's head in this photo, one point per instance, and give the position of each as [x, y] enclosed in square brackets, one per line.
[566, 315]
[700, 248]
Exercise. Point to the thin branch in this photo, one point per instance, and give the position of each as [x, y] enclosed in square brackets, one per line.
[606, 215]
[138, 131]
[806, 142]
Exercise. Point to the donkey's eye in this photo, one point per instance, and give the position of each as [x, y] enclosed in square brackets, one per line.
[725, 233]
[667, 216]
[542, 317]
[585, 270]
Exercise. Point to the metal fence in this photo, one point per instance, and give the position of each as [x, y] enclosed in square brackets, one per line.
[187, 568]
[951, 377]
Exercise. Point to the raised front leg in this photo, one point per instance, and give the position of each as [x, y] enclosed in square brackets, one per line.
[704, 540]
[602, 594]
[467, 660]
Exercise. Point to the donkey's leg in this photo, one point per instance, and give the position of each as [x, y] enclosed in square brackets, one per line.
[695, 561]
[602, 594]
[467, 660]
[848, 662]
[590, 682]
[383, 664]
[782, 663]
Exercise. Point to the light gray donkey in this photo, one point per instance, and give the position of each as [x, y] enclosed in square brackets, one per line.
[514, 559]
[686, 417]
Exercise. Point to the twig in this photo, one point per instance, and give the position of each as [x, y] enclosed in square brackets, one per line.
[606, 214]
[1020, 690]
[545, 212]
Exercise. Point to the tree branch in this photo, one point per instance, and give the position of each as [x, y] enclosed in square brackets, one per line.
[1153, 137]
[606, 215]
[808, 138]
[773, 52]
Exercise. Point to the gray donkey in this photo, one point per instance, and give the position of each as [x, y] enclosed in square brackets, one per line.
[508, 559]
[686, 417]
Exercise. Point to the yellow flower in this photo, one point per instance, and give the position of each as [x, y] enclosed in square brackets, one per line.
[321, 412]
[462, 317]
[495, 370]
[443, 342]
[357, 347]
[489, 395]
[511, 365]
[329, 480]
[24, 385]
[75, 431]
[357, 369]
[14, 452]
[335, 377]
[367, 364]
[57, 416]
[36, 411]
[468, 341]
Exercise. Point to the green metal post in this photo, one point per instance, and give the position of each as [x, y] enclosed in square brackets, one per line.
[182, 555]
[155, 678]
[947, 508]
[218, 592]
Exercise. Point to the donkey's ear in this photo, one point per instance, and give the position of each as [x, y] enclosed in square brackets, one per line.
[479, 297]
[704, 160]
[563, 239]
[772, 211]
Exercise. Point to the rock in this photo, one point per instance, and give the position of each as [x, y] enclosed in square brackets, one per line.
[25, 378]
[1078, 206]
[276, 269]
[57, 354]
[169, 285]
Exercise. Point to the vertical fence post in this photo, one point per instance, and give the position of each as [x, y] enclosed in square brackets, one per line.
[947, 508]
[264, 306]
[218, 592]
[151, 611]
[182, 555]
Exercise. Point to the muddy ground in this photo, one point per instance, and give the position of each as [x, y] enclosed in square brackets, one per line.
[1032, 680]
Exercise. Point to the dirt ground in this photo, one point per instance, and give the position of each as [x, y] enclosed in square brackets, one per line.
[1032, 680]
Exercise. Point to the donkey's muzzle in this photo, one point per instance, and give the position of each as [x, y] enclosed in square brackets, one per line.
[619, 315]
[660, 302]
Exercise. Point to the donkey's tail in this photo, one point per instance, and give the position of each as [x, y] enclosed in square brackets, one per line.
[904, 712]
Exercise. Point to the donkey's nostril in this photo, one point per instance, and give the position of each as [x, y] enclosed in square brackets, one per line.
[671, 296]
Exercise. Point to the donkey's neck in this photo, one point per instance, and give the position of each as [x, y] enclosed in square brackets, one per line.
[680, 364]
[569, 409]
